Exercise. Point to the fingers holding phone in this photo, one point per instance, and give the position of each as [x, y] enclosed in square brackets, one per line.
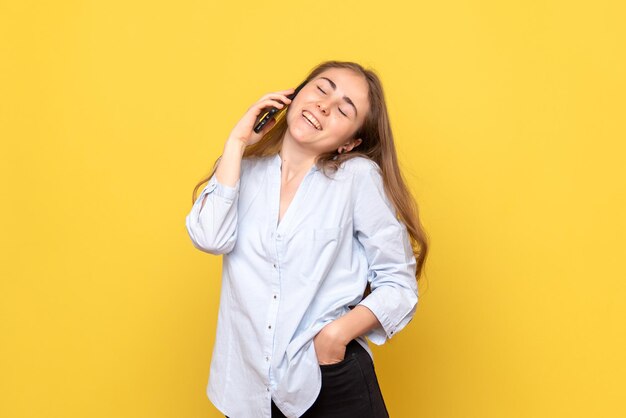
[244, 129]
[269, 116]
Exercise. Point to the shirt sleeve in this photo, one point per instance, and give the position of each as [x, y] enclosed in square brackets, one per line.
[213, 229]
[391, 262]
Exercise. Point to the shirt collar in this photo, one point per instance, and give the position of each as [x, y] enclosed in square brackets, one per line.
[276, 162]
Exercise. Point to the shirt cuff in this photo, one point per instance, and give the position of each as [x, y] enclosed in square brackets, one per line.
[390, 326]
[378, 335]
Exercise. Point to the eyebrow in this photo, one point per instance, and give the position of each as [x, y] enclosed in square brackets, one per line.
[346, 98]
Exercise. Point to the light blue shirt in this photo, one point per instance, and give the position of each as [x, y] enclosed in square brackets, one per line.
[282, 283]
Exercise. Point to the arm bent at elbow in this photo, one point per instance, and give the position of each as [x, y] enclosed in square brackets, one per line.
[394, 307]
[391, 261]
[212, 221]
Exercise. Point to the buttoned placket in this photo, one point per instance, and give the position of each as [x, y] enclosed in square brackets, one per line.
[273, 308]
[275, 252]
[277, 234]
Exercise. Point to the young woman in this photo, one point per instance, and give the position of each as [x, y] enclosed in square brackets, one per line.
[322, 246]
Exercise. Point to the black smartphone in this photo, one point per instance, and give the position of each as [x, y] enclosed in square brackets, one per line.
[269, 114]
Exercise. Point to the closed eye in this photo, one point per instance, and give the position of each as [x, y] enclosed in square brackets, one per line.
[320, 89]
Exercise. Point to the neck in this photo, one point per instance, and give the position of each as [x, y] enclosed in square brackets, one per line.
[294, 160]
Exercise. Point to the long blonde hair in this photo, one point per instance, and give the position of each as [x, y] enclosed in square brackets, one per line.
[377, 145]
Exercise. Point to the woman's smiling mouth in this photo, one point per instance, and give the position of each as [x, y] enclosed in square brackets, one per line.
[312, 120]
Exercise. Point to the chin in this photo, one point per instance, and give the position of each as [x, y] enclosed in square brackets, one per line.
[299, 135]
[299, 131]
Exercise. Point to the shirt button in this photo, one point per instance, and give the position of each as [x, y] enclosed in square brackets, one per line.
[274, 265]
[269, 326]
[267, 359]
[274, 296]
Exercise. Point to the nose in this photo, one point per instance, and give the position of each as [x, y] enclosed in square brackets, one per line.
[323, 108]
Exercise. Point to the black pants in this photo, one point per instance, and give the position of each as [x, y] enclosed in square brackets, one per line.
[349, 389]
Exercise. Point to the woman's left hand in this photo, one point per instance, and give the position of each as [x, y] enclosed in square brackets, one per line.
[329, 346]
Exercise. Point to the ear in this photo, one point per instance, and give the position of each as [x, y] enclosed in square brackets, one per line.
[353, 144]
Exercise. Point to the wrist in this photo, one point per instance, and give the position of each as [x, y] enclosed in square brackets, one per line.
[235, 145]
[338, 331]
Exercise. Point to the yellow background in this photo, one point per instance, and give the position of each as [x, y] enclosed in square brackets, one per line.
[509, 117]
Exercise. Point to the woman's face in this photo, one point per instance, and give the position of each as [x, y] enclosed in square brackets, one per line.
[328, 110]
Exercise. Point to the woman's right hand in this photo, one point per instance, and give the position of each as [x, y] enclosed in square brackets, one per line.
[244, 130]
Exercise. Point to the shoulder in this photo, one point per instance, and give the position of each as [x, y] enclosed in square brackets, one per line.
[249, 162]
[349, 171]
[255, 163]
[363, 171]
[360, 164]
[365, 176]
